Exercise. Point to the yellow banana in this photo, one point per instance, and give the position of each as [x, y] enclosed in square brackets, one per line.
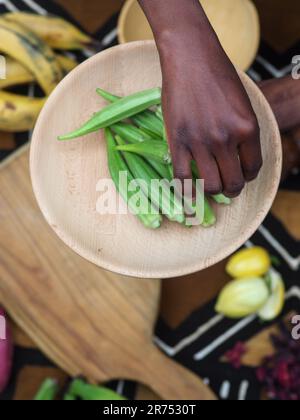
[18, 42]
[17, 74]
[57, 32]
[18, 113]
[66, 63]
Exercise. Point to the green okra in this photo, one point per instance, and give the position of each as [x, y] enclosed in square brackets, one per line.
[117, 111]
[209, 218]
[218, 198]
[162, 197]
[130, 133]
[159, 113]
[69, 397]
[153, 149]
[221, 199]
[80, 389]
[116, 165]
[135, 135]
[48, 390]
[149, 122]
[109, 97]
[146, 120]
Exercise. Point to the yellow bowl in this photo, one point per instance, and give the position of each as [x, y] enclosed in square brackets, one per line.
[236, 23]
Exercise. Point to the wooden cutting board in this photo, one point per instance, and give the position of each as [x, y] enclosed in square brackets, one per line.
[88, 321]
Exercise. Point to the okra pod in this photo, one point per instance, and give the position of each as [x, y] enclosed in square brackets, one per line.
[117, 111]
[146, 120]
[161, 196]
[109, 97]
[130, 133]
[153, 149]
[209, 218]
[218, 198]
[87, 392]
[48, 390]
[116, 165]
[135, 135]
[149, 122]
[159, 113]
[221, 199]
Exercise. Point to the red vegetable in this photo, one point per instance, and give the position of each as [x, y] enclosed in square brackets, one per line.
[6, 351]
[280, 373]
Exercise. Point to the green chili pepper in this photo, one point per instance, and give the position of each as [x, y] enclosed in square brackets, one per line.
[87, 392]
[116, 165]
[153, 149]
[163, 198]
[117, 111]
[47, 391]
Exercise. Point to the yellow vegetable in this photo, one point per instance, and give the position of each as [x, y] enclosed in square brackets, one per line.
[249, 262]
[274, 305]
[243, 297]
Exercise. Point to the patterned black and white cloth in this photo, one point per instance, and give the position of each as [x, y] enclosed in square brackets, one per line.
[205, 336]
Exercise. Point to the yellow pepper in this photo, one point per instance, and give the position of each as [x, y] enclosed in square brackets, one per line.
[242, 297]
[251, 262]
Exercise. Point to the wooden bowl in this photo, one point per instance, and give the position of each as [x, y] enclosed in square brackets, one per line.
[236, 23]
[65, 176]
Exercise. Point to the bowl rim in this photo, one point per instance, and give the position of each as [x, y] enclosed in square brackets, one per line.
[154, 274]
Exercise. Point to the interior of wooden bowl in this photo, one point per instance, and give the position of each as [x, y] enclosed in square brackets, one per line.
[65, 176]
[236, 23]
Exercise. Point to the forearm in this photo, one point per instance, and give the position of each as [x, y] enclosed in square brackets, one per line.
[178, 23]
[284, 98]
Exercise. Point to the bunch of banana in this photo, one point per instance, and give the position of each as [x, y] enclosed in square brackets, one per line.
[18, 42]
[27, 40]
[17, 112]
[17, 74]
[56, 32]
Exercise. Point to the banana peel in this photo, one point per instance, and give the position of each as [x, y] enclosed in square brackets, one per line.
[17, 74]
[55, 31]
[18, 113]
[18, 42]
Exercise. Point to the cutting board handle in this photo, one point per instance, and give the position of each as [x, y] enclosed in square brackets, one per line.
[171, 381]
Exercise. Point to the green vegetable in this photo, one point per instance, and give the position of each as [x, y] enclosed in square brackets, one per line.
[209, 215]
[117, 111]
[47, 391]
[221, 199]
[159, 113]
[206, 215]
[87, 392]
[116, 165]
[149, 122]
[163, 198]
[135, 135]
[109, 97]
[130, 133]
[146, 120]
[218, 198]
[153, 149]
[69, 397]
